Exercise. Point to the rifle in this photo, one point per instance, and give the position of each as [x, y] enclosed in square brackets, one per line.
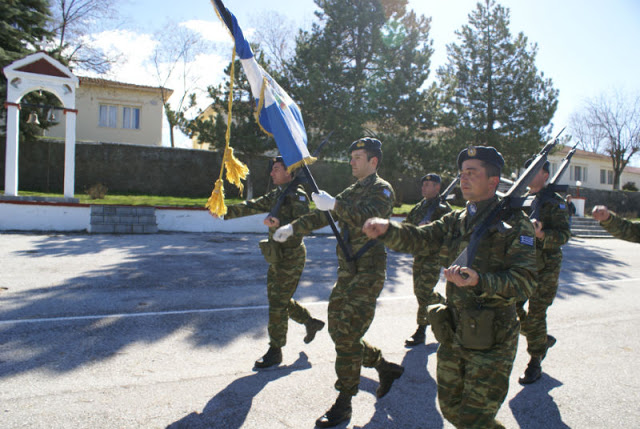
[553, 186]
[512, 199]
[439, 202]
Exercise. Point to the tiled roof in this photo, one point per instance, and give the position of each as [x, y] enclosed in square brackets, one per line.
[105, 82]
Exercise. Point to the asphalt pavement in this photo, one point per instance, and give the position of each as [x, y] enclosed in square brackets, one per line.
[161, 330]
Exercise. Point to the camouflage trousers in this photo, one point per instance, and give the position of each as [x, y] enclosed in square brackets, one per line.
[534, 319]
[352, 306]
[472, 384]
[426, 274]
[282, 282]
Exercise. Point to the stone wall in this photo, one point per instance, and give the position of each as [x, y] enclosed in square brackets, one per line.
[623, 202]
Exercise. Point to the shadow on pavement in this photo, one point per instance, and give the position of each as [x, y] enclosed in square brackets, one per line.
[534, 408]
[411, 402]
[229, 408]
[201, 278]
[193, 282]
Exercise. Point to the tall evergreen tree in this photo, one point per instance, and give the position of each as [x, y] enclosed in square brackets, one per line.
[360, 70]
[491, 91]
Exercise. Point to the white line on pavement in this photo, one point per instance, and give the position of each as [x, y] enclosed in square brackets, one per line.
[225, 309]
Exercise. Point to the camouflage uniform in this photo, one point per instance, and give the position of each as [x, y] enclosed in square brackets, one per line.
[426, 269]
[282, 276]
[554, 216]
[622, 228]
[352, 303]
[473, 379]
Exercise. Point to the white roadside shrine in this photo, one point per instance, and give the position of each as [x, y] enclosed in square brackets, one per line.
[39, 72]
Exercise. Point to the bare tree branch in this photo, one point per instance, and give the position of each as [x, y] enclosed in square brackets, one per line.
[610, 124]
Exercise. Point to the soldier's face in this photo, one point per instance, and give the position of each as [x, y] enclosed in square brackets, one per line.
[279, 174]
[430, 189]
[538, 181]
[475, 184]
[362, 167]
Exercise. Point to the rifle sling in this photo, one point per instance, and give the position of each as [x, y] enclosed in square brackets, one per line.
[368, 245]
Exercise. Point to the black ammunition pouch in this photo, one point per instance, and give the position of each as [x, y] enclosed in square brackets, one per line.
[271, 251]
[441, 321]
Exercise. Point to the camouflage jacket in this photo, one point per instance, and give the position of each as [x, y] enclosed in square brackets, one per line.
[419, 211]
[369, 197]
[295, 204]
[554, 216]
[622, 228]
[505, 261]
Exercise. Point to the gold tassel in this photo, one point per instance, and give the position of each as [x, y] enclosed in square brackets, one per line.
[236, 170]
[215, 203]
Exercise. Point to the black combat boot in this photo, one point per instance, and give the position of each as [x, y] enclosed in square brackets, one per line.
[418, 337]
[313, 326]
[533, 371]
[388, 373]
[272, 357]
[338, 413]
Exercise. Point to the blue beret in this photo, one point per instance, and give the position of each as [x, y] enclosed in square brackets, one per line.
[545, 167]
[367, 143]
[431, 177]
[483, 153]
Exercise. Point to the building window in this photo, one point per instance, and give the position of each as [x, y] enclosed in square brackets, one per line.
[108, 116]
[606, 177]
[578, 172]
[554, 169]
[131, 118]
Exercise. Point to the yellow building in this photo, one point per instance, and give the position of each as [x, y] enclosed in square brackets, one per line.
[117, 112]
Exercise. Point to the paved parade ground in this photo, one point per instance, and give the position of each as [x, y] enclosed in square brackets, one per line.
[161, 330]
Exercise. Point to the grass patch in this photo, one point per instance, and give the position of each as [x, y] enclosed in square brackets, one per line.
[167, 201]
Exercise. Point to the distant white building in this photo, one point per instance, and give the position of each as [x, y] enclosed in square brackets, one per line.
[592, 169]
[117, 112]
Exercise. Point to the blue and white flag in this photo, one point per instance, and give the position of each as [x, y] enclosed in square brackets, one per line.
[278, 115]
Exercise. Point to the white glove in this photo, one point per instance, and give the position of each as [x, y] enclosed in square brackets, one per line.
[283, 233]
[323, 201]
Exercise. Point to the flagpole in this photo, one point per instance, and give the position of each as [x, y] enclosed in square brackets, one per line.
[332, 222]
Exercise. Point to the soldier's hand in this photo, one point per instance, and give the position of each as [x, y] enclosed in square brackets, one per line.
[600, 213]
[272, 222]
[537, 225]
[323, 201]
[375, 227]
[283, 233]
[461, 276]
[215, 216]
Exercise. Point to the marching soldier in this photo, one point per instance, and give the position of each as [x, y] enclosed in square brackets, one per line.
[353, 299]
[619, 227]
[478, 328]
[426, 269]
[552, 232]
[286, 261]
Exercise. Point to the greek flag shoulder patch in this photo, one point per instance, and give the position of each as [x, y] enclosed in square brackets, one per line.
[562, 206]
[302, 198]
[526, 240]
[387, 193]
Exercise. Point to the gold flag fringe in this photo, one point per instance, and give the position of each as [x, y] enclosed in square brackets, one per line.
[236, 170]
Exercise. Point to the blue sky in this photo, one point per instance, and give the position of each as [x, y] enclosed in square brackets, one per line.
[587, 47]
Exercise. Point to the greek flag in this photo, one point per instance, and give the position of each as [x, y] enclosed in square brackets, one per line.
[278, 115]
